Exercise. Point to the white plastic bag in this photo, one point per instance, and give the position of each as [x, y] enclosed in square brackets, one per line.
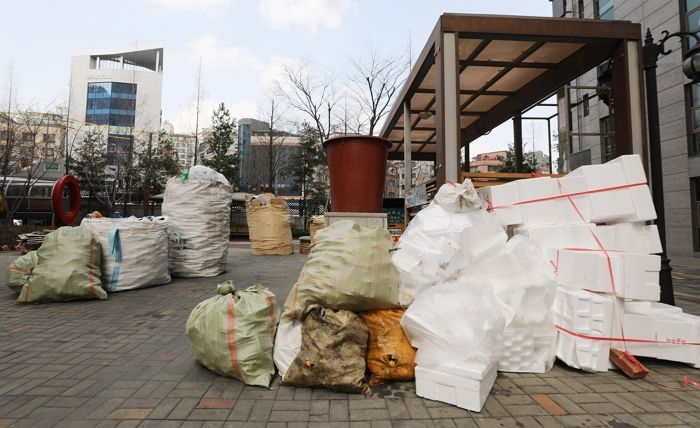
[287, 345]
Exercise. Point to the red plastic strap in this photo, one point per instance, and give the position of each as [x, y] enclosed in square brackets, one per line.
[678, 342]
[565, 195]
[691, 382]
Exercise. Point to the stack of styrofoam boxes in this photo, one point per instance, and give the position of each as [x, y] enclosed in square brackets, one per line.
[462, 385]
[571, 230]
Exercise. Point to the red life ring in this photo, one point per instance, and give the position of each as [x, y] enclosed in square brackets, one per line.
[67, 218]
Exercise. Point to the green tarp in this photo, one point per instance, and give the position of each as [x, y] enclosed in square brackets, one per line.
[67, 268]
[232, 333]
[19, 270]
[350, 268]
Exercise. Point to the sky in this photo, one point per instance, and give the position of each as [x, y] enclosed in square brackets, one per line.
[241, 45]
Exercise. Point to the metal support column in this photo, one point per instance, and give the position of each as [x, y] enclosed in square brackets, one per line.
[518, 142]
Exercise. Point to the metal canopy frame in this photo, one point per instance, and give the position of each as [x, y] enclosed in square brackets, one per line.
[477, 71]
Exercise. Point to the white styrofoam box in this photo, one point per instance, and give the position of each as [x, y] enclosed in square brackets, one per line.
[641, 195]
[528, 348]
[465, 385]
[560, 236]
[587, 314]
[630, 237]
[636, 276]
[543, 212]
[609, 205]
[503, 196]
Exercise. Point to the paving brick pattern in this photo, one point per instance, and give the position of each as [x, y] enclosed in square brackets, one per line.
[126, 362]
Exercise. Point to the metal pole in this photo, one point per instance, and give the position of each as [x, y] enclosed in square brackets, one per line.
[549, 141]
[518, 141]
[651, 53]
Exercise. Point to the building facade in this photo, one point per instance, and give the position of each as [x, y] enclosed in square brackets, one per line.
[119, 92]
[32, 137]
[487, 162]
[582, 111]
[259, 147]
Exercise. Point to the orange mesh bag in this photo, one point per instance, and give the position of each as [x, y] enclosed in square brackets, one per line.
[390, 356]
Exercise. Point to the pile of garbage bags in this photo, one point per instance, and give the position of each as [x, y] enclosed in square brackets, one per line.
[116, 254]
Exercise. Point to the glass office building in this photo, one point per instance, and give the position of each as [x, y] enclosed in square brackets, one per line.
[112, 104]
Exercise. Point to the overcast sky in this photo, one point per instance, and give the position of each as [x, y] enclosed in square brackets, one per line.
[240, 42]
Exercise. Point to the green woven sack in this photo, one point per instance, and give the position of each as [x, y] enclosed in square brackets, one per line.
[67, 268]
[349, 268]
[232, 333]
[19, 270]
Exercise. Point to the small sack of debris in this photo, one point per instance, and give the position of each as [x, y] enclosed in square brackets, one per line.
[67, 268]
[349, 268]
[19, 270]
[232, 333]
[332, 354]
[390, 356]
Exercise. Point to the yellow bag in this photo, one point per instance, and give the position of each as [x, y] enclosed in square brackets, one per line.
[390, 356]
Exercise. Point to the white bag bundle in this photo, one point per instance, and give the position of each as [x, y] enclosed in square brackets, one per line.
[287, 345]
[199, 212]
[448, 236]
[134, 251]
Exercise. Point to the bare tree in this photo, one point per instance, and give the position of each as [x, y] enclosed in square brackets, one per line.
[375, 81]
[25, 155]
[198, 110]
[311, 94]
[268, 161]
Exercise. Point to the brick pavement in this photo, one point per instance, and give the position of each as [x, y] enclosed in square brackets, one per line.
[126, 362]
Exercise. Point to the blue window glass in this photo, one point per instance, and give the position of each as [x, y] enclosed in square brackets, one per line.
[111, 103]
[605, 10]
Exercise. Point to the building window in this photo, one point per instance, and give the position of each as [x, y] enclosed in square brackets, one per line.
[586, 105]
[607, 140]
[604, 9]
[111, 103]
[49, 138]
[27, 137]
[579, 9]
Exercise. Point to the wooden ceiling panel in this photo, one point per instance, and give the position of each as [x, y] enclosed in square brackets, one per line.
[465, 121]
[421, 135]
[504, 50]
[467, 46]
[420, 101]
[396, 135]
[553, 52]
[516, 79]
[483, 103]
[474, 78]
[427, 148]
[429, 80]
[427, 122]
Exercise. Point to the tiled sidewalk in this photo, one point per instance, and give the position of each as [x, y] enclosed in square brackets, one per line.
[126, 362]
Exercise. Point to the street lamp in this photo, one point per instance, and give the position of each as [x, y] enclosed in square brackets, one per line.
[691, 67]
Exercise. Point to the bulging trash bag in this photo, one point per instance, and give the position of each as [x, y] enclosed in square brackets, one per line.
[199, 213]
[134, 251]
[19, 270]
[67, 268]
[349, 267]
[203, 173]
[446, 237]
[232, 333]
[268, 225]
[287, 345]
[332, 354]
[390, 356]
